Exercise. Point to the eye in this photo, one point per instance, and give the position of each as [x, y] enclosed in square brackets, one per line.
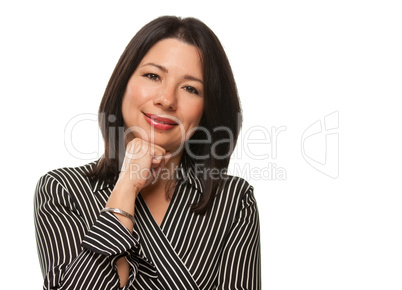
[151, 76]
[191, 90]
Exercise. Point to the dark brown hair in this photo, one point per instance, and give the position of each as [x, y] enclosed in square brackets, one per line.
[221, 103]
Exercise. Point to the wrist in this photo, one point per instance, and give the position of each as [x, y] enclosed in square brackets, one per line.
[136, 189]
[129, 185]
[120, 212]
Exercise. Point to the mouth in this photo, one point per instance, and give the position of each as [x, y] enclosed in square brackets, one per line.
[158, 122]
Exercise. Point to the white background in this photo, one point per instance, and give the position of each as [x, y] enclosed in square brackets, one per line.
[295, 62]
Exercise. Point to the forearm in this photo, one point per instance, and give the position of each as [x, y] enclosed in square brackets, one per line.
[95, 266]
[123, 198]
[87, 269]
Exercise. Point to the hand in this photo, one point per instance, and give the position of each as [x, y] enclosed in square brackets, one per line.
[142, 163]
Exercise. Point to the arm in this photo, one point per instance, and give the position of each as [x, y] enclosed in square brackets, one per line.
[72, 255]
[135, 174]
[240, 266]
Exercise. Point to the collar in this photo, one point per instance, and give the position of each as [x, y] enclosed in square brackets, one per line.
[97, 184]
[189, 177]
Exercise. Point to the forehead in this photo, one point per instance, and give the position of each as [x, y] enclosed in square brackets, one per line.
[174, 53]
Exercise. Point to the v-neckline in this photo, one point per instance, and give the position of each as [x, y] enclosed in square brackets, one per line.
[169, 209]
[158, 248]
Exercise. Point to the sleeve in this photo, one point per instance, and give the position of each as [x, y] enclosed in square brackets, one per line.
[72, 255]
[240, 266]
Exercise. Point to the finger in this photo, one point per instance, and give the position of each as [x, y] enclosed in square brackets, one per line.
[136, 149]
[166, 157]
[160, 161]
[156, 160]
[157, 154]
[157, 150]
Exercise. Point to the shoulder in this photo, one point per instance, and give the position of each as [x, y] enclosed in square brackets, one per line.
[236, 189]
[67, 178]
[236, 186]
[70, 188]
[234, 200]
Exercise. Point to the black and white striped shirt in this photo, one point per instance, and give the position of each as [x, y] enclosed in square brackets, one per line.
[78, 247]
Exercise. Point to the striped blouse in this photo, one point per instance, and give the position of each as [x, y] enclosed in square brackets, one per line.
[78, 246]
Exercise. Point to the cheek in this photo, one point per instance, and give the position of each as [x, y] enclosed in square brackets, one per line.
[127, 108]
[194, 113]
[135, 94]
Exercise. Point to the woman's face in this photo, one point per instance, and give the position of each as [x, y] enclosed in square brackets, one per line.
[163, 101]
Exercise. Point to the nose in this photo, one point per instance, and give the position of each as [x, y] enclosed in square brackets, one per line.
[167, 99]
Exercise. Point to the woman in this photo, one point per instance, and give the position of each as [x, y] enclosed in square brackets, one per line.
[157, 211]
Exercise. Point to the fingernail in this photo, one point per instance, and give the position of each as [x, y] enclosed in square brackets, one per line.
[157, 157]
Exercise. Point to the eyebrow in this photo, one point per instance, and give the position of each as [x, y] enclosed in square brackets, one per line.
[165, 70]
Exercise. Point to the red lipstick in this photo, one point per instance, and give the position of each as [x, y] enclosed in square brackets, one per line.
[159, 123]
